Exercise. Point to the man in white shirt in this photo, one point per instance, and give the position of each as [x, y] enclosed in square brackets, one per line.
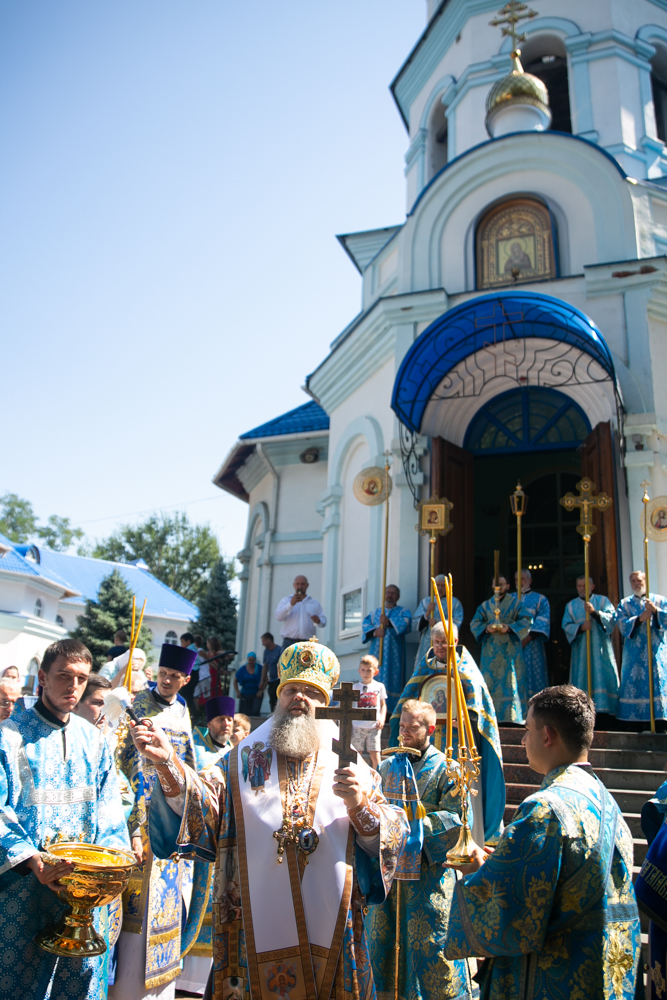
[299, 614]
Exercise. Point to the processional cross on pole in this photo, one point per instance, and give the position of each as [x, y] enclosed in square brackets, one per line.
[587, 503]
[344, 714]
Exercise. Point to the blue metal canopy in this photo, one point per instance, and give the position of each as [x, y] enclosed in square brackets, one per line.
[489, 319]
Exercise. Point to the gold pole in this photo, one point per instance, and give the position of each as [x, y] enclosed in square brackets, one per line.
[133, 642]
[518, 501]
[649, 640]
[386, 553]
[397, 943]
[589, 677]
[431, 542]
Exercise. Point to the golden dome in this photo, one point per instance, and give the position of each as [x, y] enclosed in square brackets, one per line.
[517, 88]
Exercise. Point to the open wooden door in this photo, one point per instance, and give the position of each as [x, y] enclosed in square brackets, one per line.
[452, 477]
[597, 462]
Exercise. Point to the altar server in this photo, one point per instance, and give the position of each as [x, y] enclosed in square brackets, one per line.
[57, 779]
[631, 617]
[393, 622]
[426, 892]
[604, 676]
[553, 908]
[534, 653]
[427, 614]
[502, 663]
[280, 928]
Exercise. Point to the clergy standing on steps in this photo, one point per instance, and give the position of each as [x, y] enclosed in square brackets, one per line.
[631, 617]
[604, 675]
[534, 655]
[284, 928]
[393, 622]
[426, 896]
[502, 663]
[427, 614]
[57, 777]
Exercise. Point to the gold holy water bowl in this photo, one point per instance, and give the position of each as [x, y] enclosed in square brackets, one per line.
[100, 874]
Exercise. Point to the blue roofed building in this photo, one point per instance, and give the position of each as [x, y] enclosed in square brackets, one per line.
[512, 326]
[43, 592]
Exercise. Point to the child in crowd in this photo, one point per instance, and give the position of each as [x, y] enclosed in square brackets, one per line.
[373, 694]
[241, 728]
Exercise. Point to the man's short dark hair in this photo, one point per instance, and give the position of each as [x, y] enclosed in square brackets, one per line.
[95, 681]
[568, 710]
[73, 651]
[267, 635]
[121, 634]
[188, 636]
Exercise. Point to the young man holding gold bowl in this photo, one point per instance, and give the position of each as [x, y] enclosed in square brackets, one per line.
[57, 780]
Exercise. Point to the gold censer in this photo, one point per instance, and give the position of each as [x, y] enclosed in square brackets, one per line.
[100, 874]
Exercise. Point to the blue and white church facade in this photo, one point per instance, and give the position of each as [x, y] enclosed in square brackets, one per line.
[513, 326]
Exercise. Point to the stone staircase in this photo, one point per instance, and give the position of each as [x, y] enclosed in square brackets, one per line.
[632, 766]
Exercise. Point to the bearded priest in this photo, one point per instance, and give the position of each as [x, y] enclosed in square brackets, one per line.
[300, 846]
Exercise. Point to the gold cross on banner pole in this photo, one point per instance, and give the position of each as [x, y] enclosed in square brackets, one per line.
[649, 639]
[344, 714]
[587, 503]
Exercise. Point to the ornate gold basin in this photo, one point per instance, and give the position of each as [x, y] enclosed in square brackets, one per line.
[100, 874]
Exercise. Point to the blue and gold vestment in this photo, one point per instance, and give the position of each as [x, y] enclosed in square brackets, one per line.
[651, 891]
[485, 731]
[604, 677]
[424, 972]
[392, 668]
[553, 909]
[633, 700]
[425, 632]
[210, 829]
[534, 655]
[56, 781]
[206, 751]
[156, 890]
[502, 663]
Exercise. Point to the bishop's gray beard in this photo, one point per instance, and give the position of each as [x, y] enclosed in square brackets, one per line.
[295, 736]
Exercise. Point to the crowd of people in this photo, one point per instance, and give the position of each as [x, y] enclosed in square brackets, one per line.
[268, 868]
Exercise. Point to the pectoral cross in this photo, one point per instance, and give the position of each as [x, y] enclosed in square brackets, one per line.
[344, 714]
[282, 836]
[587, 503]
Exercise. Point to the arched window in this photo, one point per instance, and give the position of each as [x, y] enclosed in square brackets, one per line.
[530, 419]
[38, 608]
[544, 56]
[515, 244]
[171, 638]
[659, 88]
[437, 140]
[60, 621]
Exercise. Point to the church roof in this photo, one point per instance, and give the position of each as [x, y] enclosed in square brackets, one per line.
[309, 417]
[361, 248]
[85, 574]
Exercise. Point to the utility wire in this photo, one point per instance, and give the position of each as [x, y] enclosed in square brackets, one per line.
[146, 510]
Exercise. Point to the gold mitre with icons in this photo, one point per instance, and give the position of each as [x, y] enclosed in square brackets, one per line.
[309, 663]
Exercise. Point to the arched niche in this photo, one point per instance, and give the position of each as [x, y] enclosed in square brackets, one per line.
[515, 243]
[544, 56]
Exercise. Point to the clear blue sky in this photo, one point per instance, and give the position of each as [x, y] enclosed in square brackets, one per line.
[172, 178]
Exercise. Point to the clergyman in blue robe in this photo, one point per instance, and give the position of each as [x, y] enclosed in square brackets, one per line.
[57, 781]
[490, 805]
[604, 676]
[534, 654]
[428, 613]
[631, 617]
[553, 908]
[426, 891]
[396, 623]
[502, 663]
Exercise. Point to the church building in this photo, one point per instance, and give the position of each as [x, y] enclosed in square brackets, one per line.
[512, 327]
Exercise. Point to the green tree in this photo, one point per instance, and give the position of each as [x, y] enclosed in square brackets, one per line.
[58, 533]
[102, 618]
[17, 518]
[177, 552]
[217, 608]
